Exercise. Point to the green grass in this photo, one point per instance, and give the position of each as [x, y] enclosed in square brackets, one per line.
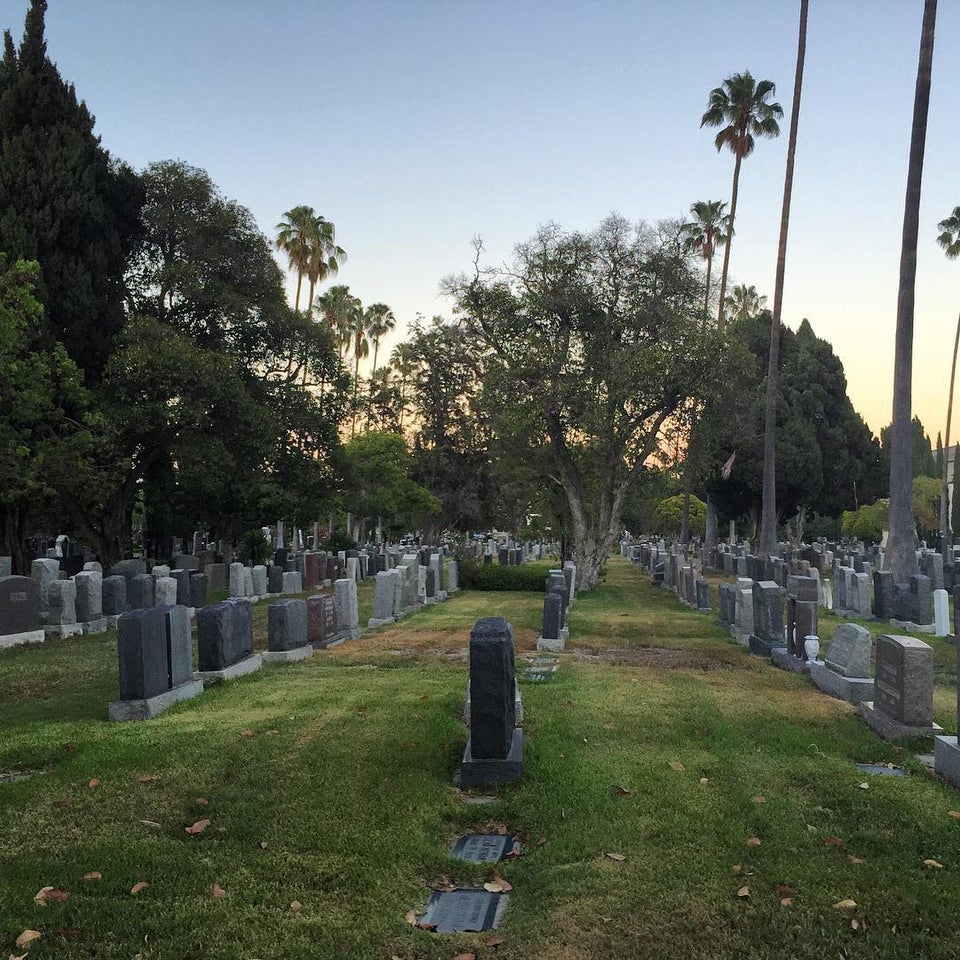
[342, 800]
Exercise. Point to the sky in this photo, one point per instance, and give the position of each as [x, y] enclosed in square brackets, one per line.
[415, 125]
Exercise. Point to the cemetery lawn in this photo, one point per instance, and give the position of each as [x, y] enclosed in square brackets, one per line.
[727, 789]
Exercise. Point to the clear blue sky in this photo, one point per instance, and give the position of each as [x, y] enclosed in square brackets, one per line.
[416, 125]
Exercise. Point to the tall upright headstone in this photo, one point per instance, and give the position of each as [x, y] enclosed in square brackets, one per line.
[348, 614]
[19, 611]
[494, 751]
[287, 632]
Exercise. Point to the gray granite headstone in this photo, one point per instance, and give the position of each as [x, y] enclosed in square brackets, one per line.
[19, 605]
[483, 847]
[62, 601]
[89, 585]
[904, 680]
[140, 591]
[286, 625]
[114, 594]
[849, 651]
[179, 644]
[464, 911]
[45, 571]
[197, 590]
[181, 577]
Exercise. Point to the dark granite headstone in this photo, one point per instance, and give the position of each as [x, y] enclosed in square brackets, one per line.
[552, 615]
[884, 606]
[182, 577]
[224, 634]
[492, 688]
[198, 590]
[114, 590]
[142, 653]
[430, 582]
[767, 618]
[274, 578]
[140, 589]
[286, 625]
[216, 577]
[903, 682]
[483, 847]
[19, 605]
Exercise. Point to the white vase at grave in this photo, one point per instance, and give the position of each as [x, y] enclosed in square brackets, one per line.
[811, 646]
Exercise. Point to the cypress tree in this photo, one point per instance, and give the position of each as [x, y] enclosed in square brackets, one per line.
[64, 201]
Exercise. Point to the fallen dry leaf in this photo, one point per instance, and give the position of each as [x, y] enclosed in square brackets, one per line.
[465, 956]
[845, 905]
[854, 859]
[64, 802]
[933, 864]
[70, 747]
[677, 765]
[273, 733]
[495, 941]
[50, 893]
[704, 780]
[197, 827]
[786, 901]
[736, 868]
[411, 917]
[146, 778]
[68, 933]
[247, 733]
[753, 841]
[22, 956]
[783, 890]
[94, 783]
[28, 936]
[425, 698]
[623, 792]
[139, 887]
[955, 814]
[150, 823]
[217, 892]
[497, 884]
[92, 875]
[759, 799]
[202, 801]
[864, 785]
[616, 856]
[743, 893]
[263, 844]
[833, 842]
[541, 841]
[296, 905]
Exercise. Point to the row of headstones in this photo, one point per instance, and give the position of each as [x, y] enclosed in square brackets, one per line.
[560, 588]
[412, 584]
[155, 648]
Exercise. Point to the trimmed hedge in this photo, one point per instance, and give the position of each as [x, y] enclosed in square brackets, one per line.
[527, 577]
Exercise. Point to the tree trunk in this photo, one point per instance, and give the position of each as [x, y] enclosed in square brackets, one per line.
[945, 525]
[710, 535]
[768, 520]
[296, 302]
[901, 558]
[706, 298]
[685, 522]
[726, 251]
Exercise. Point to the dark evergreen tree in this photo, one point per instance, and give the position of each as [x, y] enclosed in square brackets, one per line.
[63, 201]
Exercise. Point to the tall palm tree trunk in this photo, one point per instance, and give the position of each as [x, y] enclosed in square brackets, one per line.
[296, 302]
[945, 528]
[768, 515]
[706, 298]
[901, 558]
[356, 381]
[726, 252]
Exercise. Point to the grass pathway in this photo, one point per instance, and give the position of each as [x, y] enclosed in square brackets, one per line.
[328, 785]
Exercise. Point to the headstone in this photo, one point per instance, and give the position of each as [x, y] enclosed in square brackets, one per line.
[182, 578]
[494, 750]
[844, 672]
[464, 910]
[140, 591]
[62, 615]
[484, 847]
[142, 653]
[941, 613]
[883, 595]
[92, 566]
[767, 618]
[353, 568]
[19, 611]
[727, 594]
[197, 594]
[259, 577]
[348, 615]
[225, 640]
[165, 592]
[216, 577]
[384, 596]
[179, 644]
[187, 562]
[292, 582]
[248, 582]
[552, 621]
[45, 571]
[237, 588]
[903, 689]
[89, 603]
[453, 577]
[322, 628]
[287, 631]
[114, 596]
[430, 585]
[6, 567]
[160, 570]
[703, 595]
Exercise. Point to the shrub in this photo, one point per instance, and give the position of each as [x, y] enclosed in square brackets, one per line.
[253, 547]
[528, 577]
[339, 540]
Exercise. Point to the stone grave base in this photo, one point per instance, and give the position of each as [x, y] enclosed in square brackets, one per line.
[330, 644]
[853, 615]
[763, 648]
[517, 704]
[782, 658]
[467, 910]
[95, 626]
[63, 630]
[442, 595]
[152, 706]
[909, 627]
[479, 772]
[251, 665]
[353, 634]
[374, 622]
[15, 639]
[851, 689]
[890, 729]
[551, 645]
[288, 656]
[112, 619]
[430, 601]
[946, 759]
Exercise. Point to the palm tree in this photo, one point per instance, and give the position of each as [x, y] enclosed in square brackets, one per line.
[704, 234]
[744, 303]
[768, 513]
[949, 239]
[296, 237]
[901, 557]
[402, 360]
[325, 257]
[340, 309]
[361, 349]
[380, 321]
[741, 108]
